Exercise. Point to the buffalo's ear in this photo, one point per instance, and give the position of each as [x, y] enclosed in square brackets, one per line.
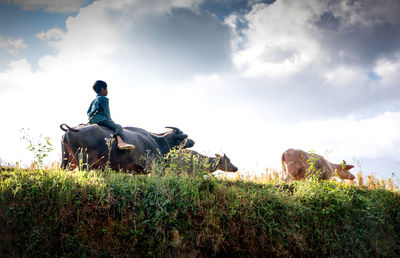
[217, 155]
[347, 167]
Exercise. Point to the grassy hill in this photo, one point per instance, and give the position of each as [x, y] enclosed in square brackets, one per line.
[92, 213]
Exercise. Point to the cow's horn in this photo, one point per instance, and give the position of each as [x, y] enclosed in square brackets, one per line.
[174, 128]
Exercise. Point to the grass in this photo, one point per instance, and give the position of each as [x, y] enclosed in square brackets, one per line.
[271, 175]
[51, 212]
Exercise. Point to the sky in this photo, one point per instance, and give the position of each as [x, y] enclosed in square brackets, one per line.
[246, 78]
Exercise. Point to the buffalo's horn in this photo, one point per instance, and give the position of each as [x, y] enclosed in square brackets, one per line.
[174, 128]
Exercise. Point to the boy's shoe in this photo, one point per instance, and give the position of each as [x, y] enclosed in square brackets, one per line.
[127, 146]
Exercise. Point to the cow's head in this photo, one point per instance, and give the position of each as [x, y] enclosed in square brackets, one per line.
[343, 171]
[225, 164]
[177, 138]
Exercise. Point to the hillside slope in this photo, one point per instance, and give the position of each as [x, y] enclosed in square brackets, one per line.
[77, 213]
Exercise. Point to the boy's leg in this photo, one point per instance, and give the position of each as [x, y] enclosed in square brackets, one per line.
[118, 133]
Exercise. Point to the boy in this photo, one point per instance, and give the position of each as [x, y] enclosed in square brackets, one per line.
[99, 113]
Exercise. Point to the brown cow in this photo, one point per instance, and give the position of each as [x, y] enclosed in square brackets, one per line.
[298, 164]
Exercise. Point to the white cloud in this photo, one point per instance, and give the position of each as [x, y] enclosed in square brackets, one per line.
[303, 55]
[388, 69]
[369, 137]
[181, 39]
[51, 37]
[279, 39]
[286, 37]
[52, 34]
[16, 75]
[12, 46]
[365, 12]
[57, 6]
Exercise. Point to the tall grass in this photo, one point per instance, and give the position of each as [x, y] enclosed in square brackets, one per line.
[51, 212]
[272, 175]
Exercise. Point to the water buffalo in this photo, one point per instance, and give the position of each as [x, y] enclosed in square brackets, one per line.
[298, 164]
[192, 162]
[94, 146]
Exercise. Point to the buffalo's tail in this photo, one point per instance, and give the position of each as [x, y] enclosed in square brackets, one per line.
[66, 128]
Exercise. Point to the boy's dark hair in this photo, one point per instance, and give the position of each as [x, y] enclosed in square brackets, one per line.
[98, 85]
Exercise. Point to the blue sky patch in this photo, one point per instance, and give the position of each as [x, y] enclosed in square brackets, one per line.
[373, 76]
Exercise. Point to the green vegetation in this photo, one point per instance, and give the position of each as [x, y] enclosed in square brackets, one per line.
[91, 213]
[39, 147]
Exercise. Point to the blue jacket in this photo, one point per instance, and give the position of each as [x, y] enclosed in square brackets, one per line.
[99, 110]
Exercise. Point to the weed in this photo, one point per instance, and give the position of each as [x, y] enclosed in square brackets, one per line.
[83, 159]
[40, 148]
[180, 161]
[360, 179]
[109, 143]
[314, 169]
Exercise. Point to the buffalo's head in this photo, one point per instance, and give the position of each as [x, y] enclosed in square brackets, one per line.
[225, 164]
[177, 138]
